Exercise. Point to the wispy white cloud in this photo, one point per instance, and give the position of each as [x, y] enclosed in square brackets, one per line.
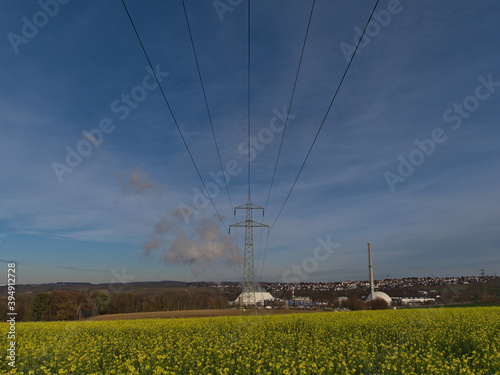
[396, 90]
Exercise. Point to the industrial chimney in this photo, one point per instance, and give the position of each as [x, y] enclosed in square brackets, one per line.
[370, 267]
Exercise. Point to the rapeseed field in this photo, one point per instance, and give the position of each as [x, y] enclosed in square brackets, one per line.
[419, 341]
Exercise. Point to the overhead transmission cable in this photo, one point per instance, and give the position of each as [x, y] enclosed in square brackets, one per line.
[211, 124]
[291, 101]
[264, 257]
[206, 102]
[284, 130]
[326, 115]
[172, 114]
[248, 44]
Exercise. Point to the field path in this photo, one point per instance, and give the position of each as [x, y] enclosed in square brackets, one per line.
[196, 314]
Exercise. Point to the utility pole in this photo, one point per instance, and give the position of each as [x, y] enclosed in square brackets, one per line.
[248, 285]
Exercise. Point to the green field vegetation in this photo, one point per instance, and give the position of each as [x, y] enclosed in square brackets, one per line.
[420, 341]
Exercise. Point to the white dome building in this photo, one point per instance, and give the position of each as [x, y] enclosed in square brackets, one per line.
[381, 295]
[247, 298]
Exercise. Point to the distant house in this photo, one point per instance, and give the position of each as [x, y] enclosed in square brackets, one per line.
[301, 302]
[413, 301]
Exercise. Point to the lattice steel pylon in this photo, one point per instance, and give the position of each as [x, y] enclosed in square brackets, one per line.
[248, 285]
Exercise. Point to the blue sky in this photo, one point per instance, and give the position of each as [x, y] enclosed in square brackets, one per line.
[428, 75]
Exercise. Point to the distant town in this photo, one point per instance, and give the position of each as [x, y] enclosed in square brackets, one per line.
[386, 283]
[346, 285]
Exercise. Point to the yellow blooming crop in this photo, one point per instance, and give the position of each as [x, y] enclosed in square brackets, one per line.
[420, 341]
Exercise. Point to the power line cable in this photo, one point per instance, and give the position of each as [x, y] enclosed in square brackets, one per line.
[291, 101]
[172, 114]
[211, 125]
[326, 115]
[264, 257]
[283, 135]
[206, 102]
[260, 242]
[248, 42]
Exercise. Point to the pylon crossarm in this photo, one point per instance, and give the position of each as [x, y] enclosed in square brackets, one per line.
[248, 223]
[249, 206]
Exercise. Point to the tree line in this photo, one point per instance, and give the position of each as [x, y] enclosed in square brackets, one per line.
[75, 305]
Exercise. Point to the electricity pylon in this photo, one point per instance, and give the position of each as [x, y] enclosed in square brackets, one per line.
[248, 285]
